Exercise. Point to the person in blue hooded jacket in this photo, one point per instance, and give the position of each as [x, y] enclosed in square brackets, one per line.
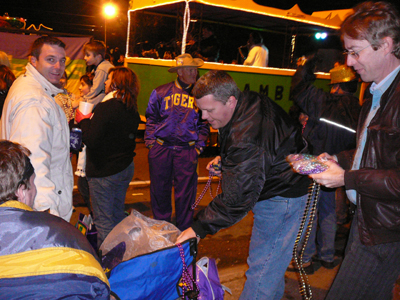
[42, 256]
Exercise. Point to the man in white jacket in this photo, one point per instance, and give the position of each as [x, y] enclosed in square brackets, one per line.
[32, 118]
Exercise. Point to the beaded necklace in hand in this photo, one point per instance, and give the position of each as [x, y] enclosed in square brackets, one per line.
[211, 174]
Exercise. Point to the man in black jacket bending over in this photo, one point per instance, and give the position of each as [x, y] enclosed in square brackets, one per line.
[256, 135]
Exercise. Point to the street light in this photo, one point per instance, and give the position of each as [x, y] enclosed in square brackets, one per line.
[109, 10]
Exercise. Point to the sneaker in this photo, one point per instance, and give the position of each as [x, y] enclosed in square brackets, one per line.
[328, 265]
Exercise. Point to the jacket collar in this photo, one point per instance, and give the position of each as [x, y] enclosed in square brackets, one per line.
[50, 89]
[227, 127]
[109, 96]
[16, 204]
[388, 94]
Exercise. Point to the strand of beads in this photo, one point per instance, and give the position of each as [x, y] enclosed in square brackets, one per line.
[208, 186]
[188, 283]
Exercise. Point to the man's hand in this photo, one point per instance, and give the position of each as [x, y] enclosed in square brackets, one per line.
[333, 177]
[185, 235]
[325, 156]
[210, 166]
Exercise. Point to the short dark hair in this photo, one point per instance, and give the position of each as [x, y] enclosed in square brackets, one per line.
[97, 47]
[217, 83]
[257, 38]
[37, 45]
[373, 21]
[13, 161]
[87, 78]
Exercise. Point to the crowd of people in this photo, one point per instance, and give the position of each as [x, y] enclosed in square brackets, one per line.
[255, 134]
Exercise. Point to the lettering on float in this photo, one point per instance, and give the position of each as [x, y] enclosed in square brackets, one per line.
[179, 100]
[265, 91]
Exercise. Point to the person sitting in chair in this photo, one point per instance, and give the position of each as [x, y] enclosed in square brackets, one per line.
[42, 256]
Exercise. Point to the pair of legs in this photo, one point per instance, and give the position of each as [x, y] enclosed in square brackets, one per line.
[323, 232]
[108, 200]
[173, 166]
[276, 224]
[367, 272]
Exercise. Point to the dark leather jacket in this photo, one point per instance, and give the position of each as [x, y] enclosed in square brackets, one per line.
[377, 181]
[254, 146]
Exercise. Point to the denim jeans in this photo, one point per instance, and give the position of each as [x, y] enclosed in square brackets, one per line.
[108, 200]
[276, 223]
[367, 272]
[322, 236]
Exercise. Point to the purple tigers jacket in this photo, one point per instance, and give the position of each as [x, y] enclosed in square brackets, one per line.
[172, 115]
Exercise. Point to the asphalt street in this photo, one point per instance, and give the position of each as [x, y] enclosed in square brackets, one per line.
[229, 246]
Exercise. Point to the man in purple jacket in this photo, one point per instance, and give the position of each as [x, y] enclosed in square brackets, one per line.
[175, 135]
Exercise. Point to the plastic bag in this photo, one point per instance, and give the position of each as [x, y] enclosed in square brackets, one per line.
[141, 235]
[306, 164]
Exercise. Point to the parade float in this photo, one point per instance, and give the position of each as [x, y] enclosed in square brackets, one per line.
[289, 34]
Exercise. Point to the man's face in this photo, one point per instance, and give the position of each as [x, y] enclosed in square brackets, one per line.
[250, 41]
[216, 112]
[91, 59]
[370, 64]
[188, 75]
[51, 63]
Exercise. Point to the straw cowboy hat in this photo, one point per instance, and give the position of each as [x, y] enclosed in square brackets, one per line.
[185, 61]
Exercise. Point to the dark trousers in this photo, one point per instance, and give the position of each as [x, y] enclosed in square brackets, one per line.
[367, 272]
[83, 188]
[173, 166]
[322, 237]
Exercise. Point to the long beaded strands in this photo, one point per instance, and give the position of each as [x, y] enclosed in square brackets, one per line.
[189, 286]
[311, 206]
[207, 187]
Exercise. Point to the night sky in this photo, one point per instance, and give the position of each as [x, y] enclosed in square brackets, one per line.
[85, 16]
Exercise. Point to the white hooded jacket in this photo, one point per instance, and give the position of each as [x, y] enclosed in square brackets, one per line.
[32, 118]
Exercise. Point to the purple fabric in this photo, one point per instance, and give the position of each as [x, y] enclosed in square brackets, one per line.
[173, 166]
[172, 115]
[207, 280]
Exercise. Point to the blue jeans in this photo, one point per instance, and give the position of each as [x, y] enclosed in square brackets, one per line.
[367, 272]
[108, 200]
[276, 223]
[323, 233]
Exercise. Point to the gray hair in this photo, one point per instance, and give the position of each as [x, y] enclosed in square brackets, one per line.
[217, 83]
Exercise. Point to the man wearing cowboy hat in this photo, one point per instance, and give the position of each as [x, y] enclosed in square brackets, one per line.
[175, 135]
